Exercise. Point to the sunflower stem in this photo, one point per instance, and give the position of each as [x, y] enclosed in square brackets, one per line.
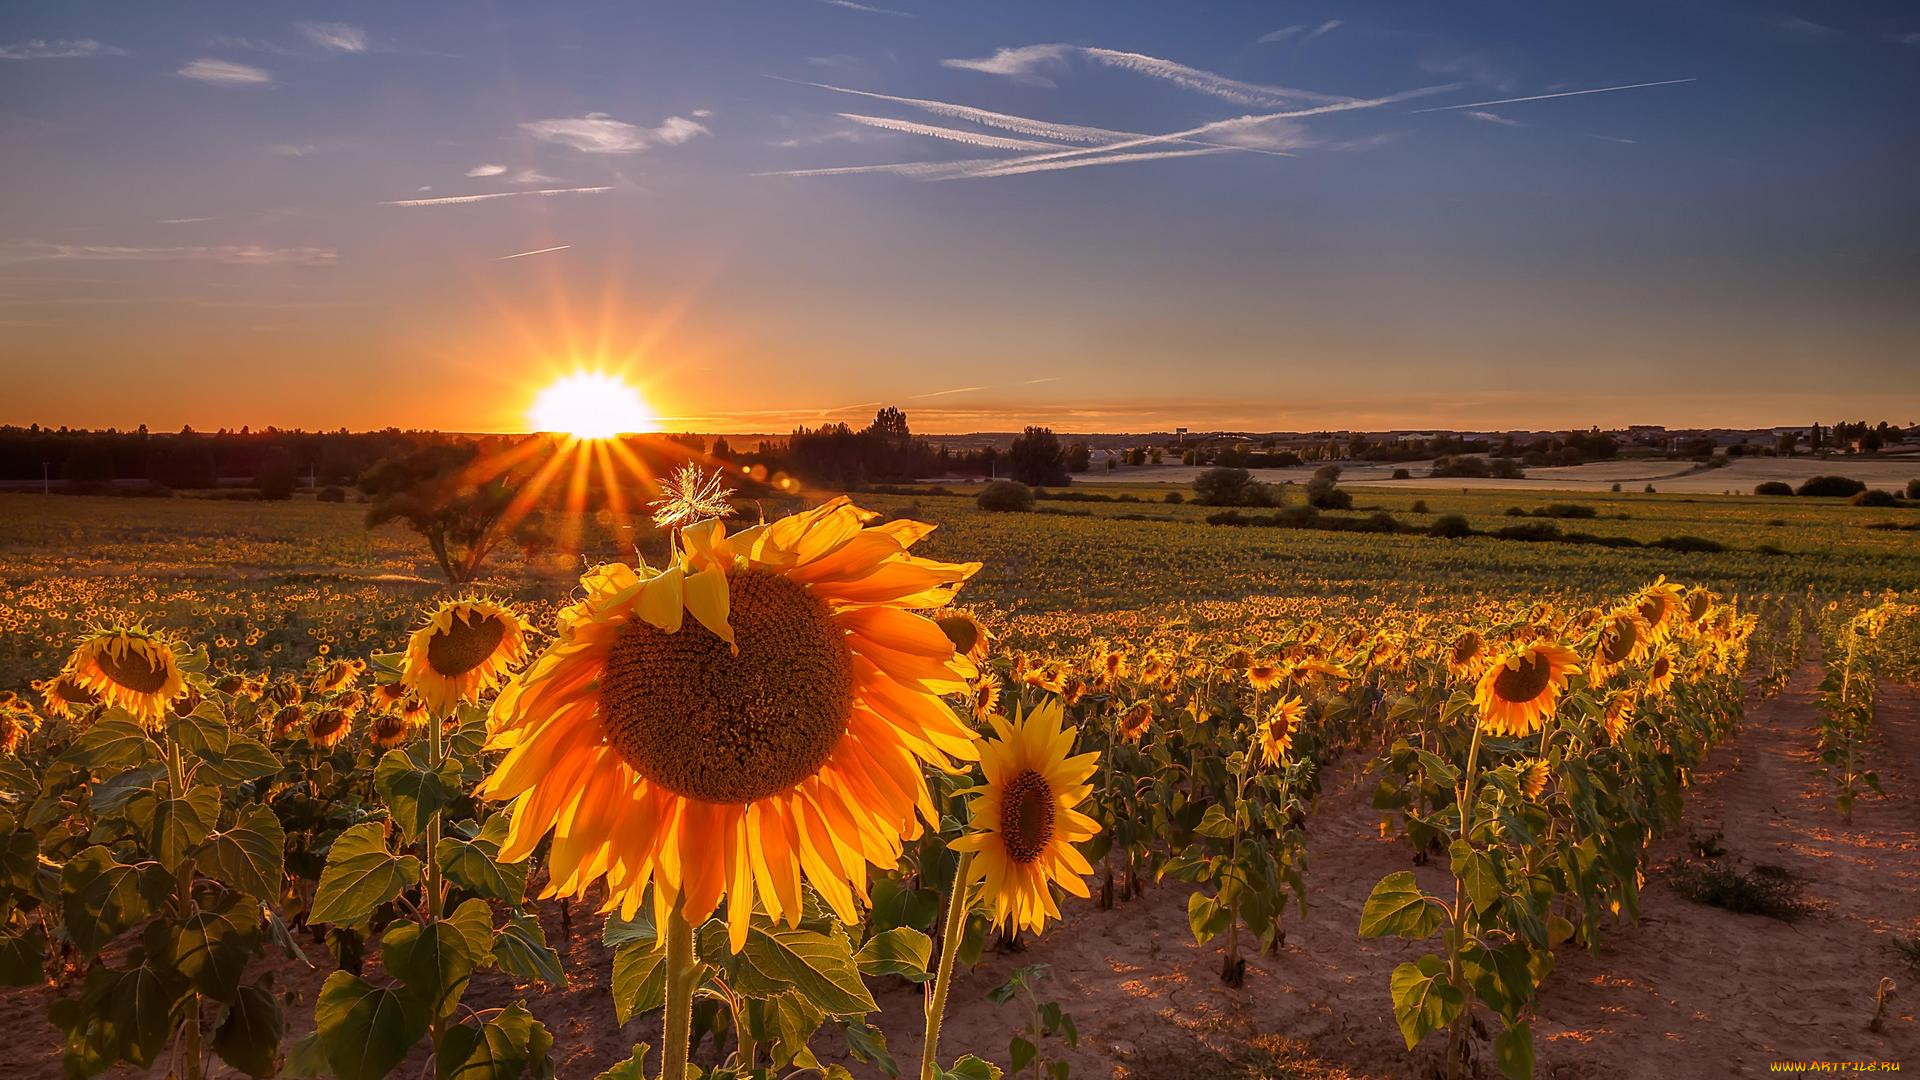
[1457, 936]
[676, 1043]
[430, 841]
[959, 904]
[190, 1032]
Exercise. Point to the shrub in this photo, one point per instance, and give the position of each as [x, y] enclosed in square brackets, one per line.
[1174, 497]
[1773, 487]
[1297, 517]
[1832, 486]
[1227, 486]
[1767, 890]
[1378, 521]
[1616, 487]
[1459, 466]
[1688, 543]
[1567, 510]
[1514, 511]
[1874, 497]
[1228, 517]
[1004, 496]
[275, 476]
[1913, 489]
[1450, 526]
[1507, 469]
[1402, 474]
[1650, 490]
[1532, 530]
[1323, 491]
[1419, 507]
[331, 494]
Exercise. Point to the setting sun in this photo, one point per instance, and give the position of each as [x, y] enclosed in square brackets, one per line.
[591, 405]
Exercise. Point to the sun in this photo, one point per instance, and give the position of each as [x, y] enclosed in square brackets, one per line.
[591, 405]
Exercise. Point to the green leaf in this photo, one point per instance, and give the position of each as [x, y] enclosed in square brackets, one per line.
[203, 731]
[899, 951]
[1214, 823]
[1020, 1053]
[23, 957]
[365, 1030]
[820, 966]
[1397, 907]
[111, 795]
[361, 874]
[175, 827]
[101, 897]
[245, 758]
[475, 864]
[413, 791]
[521, 949]
[249, 1038]
[1475, 868]
[506, 1048]
[211, 947]
[869, 1046]
[1513, 1049]
[1207, 917]
[1423, 1000]
[639, 980]
[971, 1068]
[249, 857]
[112, 745]
[128, 1014]
[634, 1068]
[436, 960]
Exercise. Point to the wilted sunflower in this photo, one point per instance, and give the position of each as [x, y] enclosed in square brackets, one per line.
[338, 675]
[778, 733]
[1658, 604]
[388, 730]
[65, 697]
[1660, 675]
[16, 723]
[1276, 732]
[329, 726]
[1623, 639]
[1519, 689]
[1465, 655]
[388, 696]
[466, 648]
[1023, 824]
[1618, 715]
[287, 719]
[1136, 720]
[129, 667]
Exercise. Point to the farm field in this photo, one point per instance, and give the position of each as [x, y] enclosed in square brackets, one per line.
[1139, 616]
[1738, 476]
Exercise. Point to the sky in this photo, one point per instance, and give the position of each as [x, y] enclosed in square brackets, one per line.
[1099, 216]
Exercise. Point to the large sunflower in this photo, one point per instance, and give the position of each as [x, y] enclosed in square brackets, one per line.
[1023, 822]
[129, 667]
[1624, 638]
[465, 649]
[777, 734]
[1519, 689]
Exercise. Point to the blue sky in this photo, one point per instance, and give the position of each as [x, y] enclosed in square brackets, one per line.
[1099, 216]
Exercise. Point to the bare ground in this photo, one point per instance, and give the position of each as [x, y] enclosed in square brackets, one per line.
[1689, 991]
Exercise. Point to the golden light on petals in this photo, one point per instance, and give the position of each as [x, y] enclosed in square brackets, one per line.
[129, 668]
[1520, 689]
[465, 648]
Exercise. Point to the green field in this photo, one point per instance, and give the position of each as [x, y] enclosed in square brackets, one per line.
[274, 583]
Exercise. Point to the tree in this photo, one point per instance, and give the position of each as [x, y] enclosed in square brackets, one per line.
[1036, 458]
[1225, 486]
[275, 475]
[438, 493]
[1079, 457]
[1004, 496]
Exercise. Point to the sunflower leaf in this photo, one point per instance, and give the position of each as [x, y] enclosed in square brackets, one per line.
[361, 874]
[821, 966]
[1423, 1000]
[111, 745]
[1397, 908]
[250, 856]
[415, 792]
[365, 1030]
[900, 951]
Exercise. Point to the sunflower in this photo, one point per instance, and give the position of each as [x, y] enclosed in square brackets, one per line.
[16, 723]
[1136, 720]
[1657, 604]
[388, 730]
[1533, 778]
[777, 734]
[388, 696]
[464, 650]
[1660, 675]
[1264, 676]
[414, 712]
[1276, 733]
[329, 726]
[1519, 689]
[129, 667]
[970, 638]
[984, 697]
[338, 675]
[1618, 715]
[65, 697]
[1623, 639]
[287, 719]
[1023, 824]
[1463, 658]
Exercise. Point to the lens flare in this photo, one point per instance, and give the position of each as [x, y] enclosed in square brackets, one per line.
[591, 405]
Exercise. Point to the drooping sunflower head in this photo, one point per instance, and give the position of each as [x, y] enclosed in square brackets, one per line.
[464, 649]
[970, 637]
[1699, 601]
[1660, 674]
[1276, 731]
[1658, 605]
[1520, 689]
[1618, 715]
[131, 668]
[16, 723]
[65, 696]
[287, 719]
[388, 730]
[1622, 640]
[777, 734]
[1135, 721]
[338, 675]
[329, 726]
[387, 696]
[1023, 824]
[1533, 778]
[1466, 654]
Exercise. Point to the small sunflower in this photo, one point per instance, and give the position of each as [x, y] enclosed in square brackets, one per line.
[129, 667]
[1618, 715]
[1518, 691]
[1464, 657]
[287, 719]
[1136, 720]
[466, 648]
[1533, 778]
[65, 697]
[1276, 732]
[1264, 676]
[329, 726]
[984, 697]
[1659, 606]
[1660, 675]
[1023, 824]
[338, 675]
[970, 637]
[16, 723]
[388, 730]
[388, 696]
[414, 712]
[1623, 639]
[777, 735]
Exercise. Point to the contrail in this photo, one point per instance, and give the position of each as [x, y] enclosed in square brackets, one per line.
[540, 251]
[1544, 97]
[971, 138]
[456, 200]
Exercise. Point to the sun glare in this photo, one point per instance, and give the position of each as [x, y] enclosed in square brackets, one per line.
[591, 405]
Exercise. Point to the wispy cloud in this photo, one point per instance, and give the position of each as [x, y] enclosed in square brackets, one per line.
[226, 73]
[1495, 118]
[334, 36]
[230, 254]
[184, 220]
[62, 49]
[1323, 30]
[868, 8]
[460, 200]
[536, 251]
[1285, 33]
[1797, 25]
[1038, 64]
[598, 133]
[486, 170]
[1561, 94]
[1022, 125]
[1613, 139]
[1906, 39]
[959, 135]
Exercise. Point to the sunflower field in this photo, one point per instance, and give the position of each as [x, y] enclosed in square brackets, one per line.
[785, 767]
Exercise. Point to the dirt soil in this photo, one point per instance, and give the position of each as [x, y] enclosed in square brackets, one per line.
[1690, 991]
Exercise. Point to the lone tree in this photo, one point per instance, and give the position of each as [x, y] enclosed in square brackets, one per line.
[438, 493]
[1037, 458]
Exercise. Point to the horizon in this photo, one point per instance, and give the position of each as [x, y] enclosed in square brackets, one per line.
[1375, 217]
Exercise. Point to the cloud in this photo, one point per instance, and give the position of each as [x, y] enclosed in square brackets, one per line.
[536, 251]
[869, 9]
[235, 41]
[43, 49]
[1474, 67]
[1906, 39]
[1323, 30]
[1031, 64]
[960, 135]
[333, 36]
[598, 133]
[1613, 139]
[1561, 94]
[1495, 118]
[1036, 64]
[486, 170]
[1021, 125]
[1796, 24]
[1275, 37]
[460, 200]
[293, 149]
[226, 73]
[532, 176]
[230, 254]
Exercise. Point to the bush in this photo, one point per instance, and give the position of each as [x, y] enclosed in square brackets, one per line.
[1228, 517]
[1459, 466]
[1450, 526]
[1378, 521]
[1174, 497]
[331, 494]
[1533, 531]
[1419, 507]
[1402, 474]
[1688, 543]
[1913, 489]
[1004, 496]
[1616, 487]
[1874, 497]
[1832, 486]
[1297, 517]
[1226, 486]
[1514, 511]
[1567, 510]
[1767, 890]
[276, 475]
[1649, 490]
[1773, 487]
